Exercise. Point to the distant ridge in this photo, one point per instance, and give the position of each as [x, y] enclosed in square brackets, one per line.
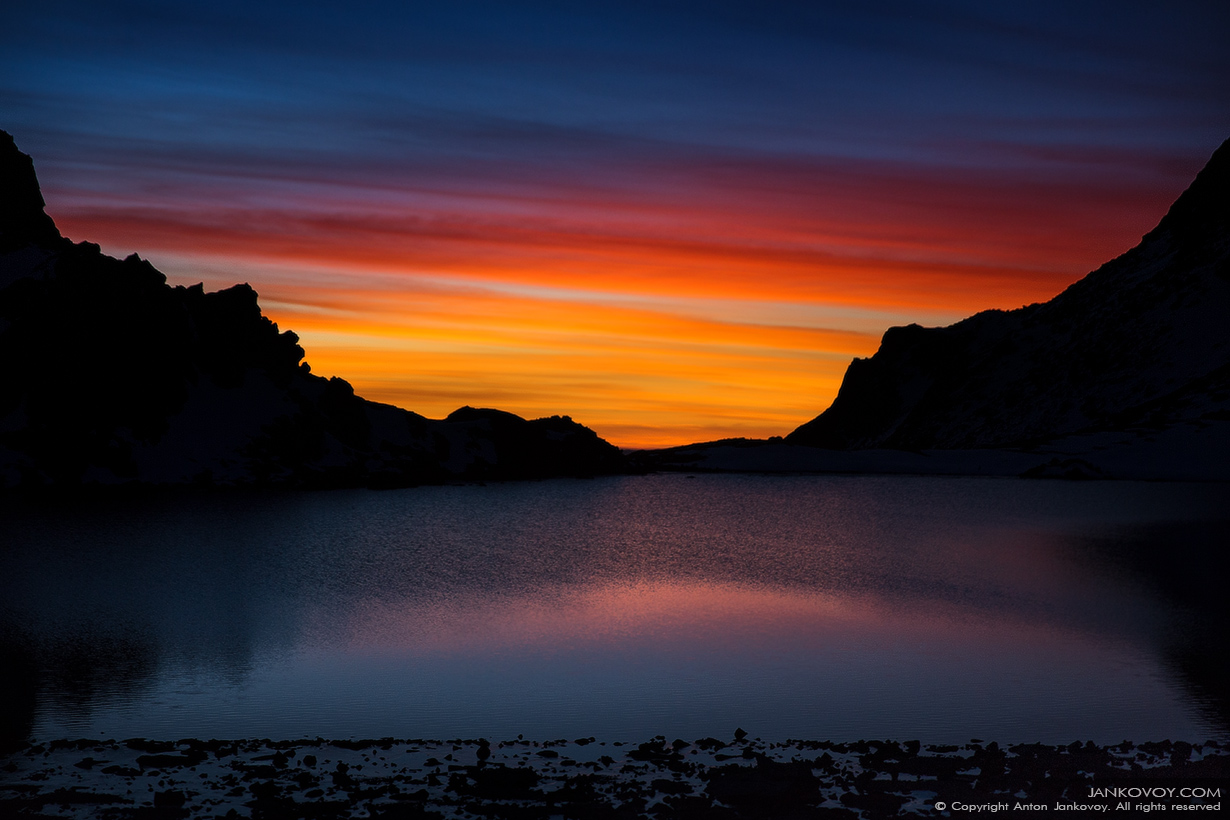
[1138, 348]
[113, 377]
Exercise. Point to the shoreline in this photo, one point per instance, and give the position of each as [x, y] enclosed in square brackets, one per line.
[586, 778]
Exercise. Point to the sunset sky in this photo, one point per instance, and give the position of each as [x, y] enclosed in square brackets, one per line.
[672, 221]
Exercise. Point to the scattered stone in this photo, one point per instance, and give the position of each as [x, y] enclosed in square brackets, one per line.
[170, 761]
[864, 779]
[171, 798]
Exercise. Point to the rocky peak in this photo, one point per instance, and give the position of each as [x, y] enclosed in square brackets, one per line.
[22, 219]
[1127, 341]
[1202, 212]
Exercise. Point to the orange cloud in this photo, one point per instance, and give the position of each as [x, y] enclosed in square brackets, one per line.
[656, 312]
[640, 377]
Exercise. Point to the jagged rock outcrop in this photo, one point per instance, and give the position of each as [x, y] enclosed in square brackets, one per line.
[23, 222]
[1141, 345]
[111, 376]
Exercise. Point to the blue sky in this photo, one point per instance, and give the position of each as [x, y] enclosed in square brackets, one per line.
[972, 82]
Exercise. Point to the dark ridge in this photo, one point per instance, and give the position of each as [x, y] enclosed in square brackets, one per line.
[115, 378]
[1140, 341]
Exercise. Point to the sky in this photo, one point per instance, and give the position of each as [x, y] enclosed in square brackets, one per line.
[672, 221]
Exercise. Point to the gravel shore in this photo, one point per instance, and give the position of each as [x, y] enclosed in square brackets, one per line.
[584, 778]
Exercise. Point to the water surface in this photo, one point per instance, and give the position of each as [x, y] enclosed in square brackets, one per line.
[793, 606]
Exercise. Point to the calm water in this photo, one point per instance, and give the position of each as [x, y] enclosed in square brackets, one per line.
[819, 607]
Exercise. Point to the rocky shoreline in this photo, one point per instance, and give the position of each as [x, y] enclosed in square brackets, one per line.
[587, 779]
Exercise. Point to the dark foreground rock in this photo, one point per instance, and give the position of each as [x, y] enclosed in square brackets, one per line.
[114, 377]
[585, 778]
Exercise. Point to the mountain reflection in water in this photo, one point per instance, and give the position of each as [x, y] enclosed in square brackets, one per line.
[794, 606]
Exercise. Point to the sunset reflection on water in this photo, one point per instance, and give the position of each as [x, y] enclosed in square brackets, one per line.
[822, 607]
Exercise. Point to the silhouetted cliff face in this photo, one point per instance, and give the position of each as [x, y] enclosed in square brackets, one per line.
[111, 376]
[1142, 343]
[22, 220]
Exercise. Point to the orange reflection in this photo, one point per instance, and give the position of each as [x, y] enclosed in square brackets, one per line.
[701, 616]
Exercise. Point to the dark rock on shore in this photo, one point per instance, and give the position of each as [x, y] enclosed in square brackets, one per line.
[113, 377]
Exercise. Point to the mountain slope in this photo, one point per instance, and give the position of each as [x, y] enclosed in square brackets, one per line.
[111, 376]
[1141, 345]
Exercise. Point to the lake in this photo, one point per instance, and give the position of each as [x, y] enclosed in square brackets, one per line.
[822, 607]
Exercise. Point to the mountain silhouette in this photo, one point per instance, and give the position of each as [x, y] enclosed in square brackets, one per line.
[112, 376]
[1136, 350]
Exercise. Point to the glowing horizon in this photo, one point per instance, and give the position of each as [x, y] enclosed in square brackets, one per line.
[656, 327]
